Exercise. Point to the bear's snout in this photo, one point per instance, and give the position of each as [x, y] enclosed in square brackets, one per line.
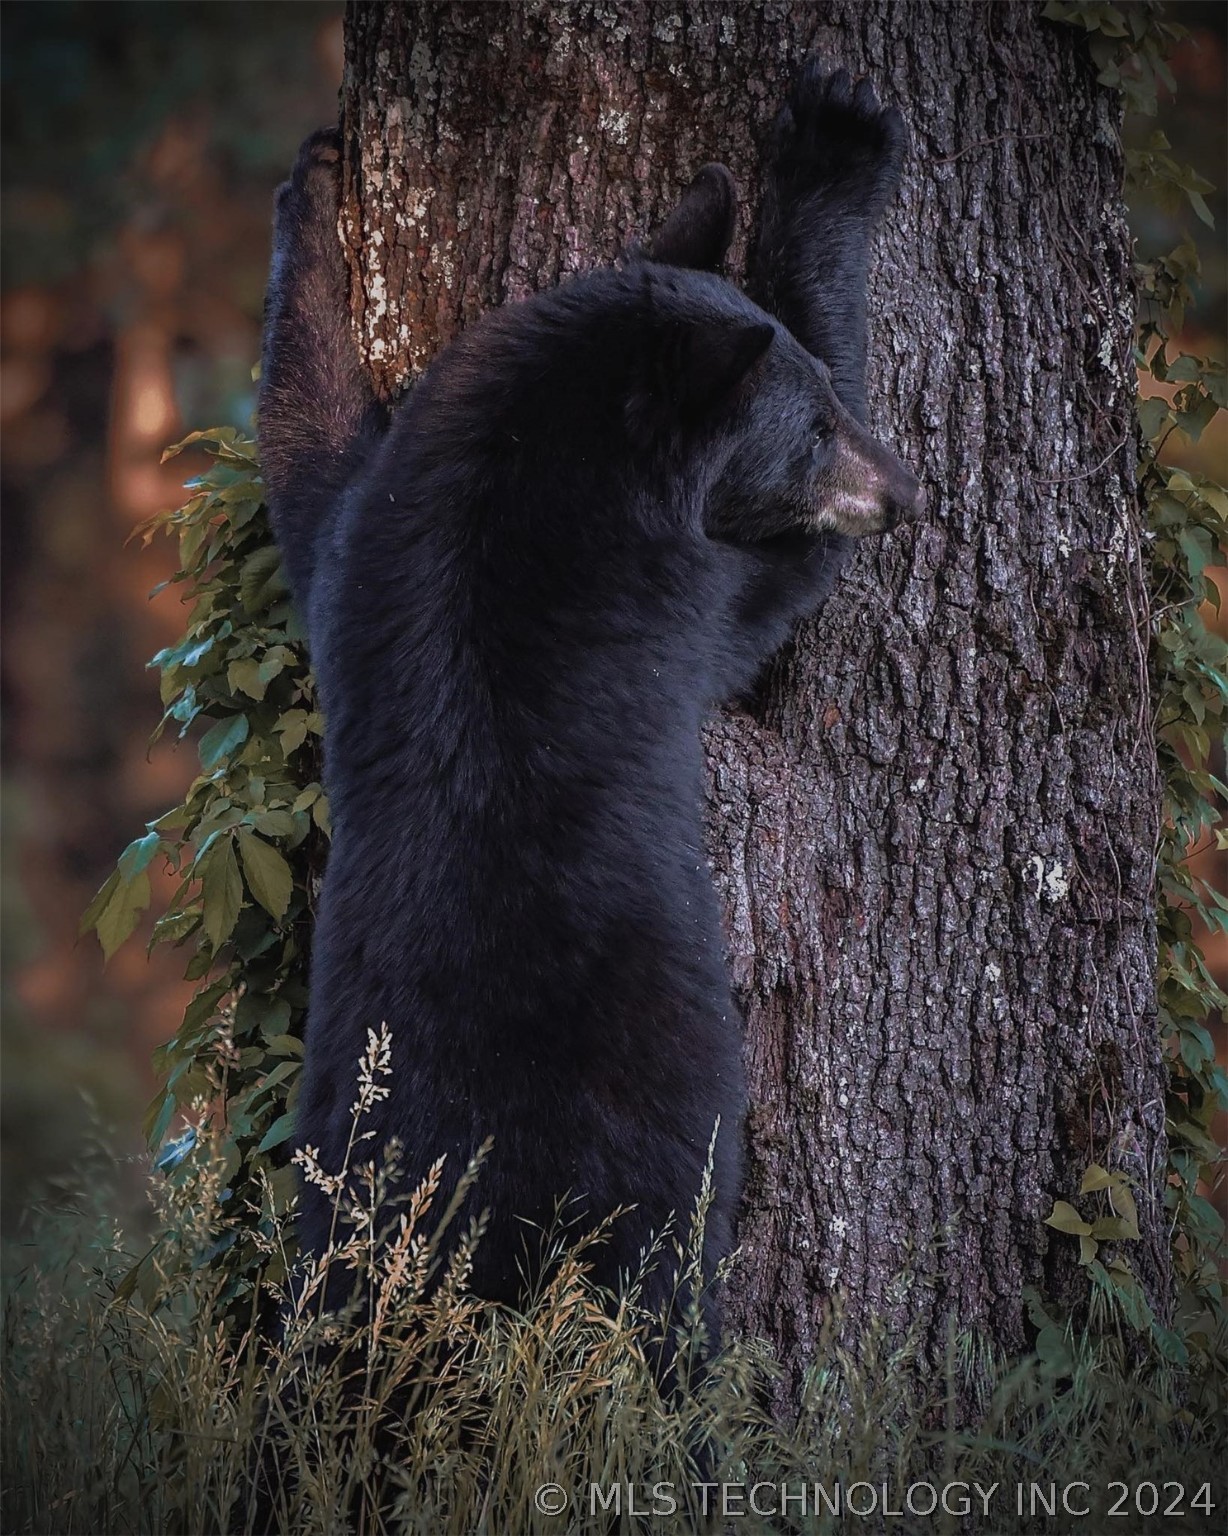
[903, 496]
[866, 489]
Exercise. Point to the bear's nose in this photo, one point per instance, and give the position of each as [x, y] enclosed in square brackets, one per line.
[903, 497]
[872, 470]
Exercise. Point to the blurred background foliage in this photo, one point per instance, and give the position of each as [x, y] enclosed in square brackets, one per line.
[141, 142]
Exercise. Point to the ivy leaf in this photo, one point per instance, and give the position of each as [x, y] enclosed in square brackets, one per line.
[158, 1119]
[1199, 205]
[268, 875]
[221, 740]
[281, 1130]
[1154, 417]
[274, 663]
[1196, 1048]
[174, 1152]
[1123, 1200]
[89, 918]
[277, 823]
[185, 708]
[116, 910]
[1195, 411]
[1064, 1218]
[203, 1007]
[285, 1045]
[260, 580]
[292, 728]
[136, 856]
[1114, 1229]
[222, 891]
[244, 676]
[1095, 1178]
[174, 926]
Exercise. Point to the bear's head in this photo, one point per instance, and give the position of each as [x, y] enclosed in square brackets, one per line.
[722, 377]
[796, 457]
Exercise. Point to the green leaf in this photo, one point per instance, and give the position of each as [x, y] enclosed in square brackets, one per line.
[285, 1045]
[122, 912]
[292, 728]
[185, 708]
[199, 965]
[243, 676]
[1195, 411]
[1196, 1049]
[281, 1073]
[283, 1188]
[203, 1007]
[276, 823]
[275, 663]
[89, 918]
[126, 1288]
[173, 927]
[1123, 1202]
[1095, 1178]
[1051, 1347]
[222, 891]
[268, 875]
[136, 856]
[221, 740]
[1199, 205]
[281, 1130]
[218, 436]
[260, 580]
[1154, 417]
[158, 1119]
[1064, 1218]
[1114, 1229]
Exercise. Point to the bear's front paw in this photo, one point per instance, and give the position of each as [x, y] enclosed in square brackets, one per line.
[832, 136]
[315, 181]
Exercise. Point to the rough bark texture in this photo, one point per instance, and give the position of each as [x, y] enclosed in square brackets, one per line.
[934, 831]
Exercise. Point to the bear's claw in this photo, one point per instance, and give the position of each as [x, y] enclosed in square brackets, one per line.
[314, 188]
[832, 135]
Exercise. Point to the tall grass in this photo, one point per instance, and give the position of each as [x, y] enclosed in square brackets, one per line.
[421, 1410]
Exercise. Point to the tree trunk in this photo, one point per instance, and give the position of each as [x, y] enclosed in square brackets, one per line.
[934, 832]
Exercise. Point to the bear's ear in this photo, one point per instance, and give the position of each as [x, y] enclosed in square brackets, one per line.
[698, 232]
[696, 367]
[710, 361]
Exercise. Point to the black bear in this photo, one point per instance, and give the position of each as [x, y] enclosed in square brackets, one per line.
[594, 518]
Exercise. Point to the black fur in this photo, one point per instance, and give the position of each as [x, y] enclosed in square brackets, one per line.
[595, 517]
[836, 159]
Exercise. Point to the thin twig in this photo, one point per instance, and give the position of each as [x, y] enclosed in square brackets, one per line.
[984, 144]
[1084, 474]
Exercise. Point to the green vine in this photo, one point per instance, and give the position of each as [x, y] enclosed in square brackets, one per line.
[247, 842]
[249, 839]
[1187, 517]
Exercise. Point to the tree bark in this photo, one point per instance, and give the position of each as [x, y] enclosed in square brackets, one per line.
[934, 830]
